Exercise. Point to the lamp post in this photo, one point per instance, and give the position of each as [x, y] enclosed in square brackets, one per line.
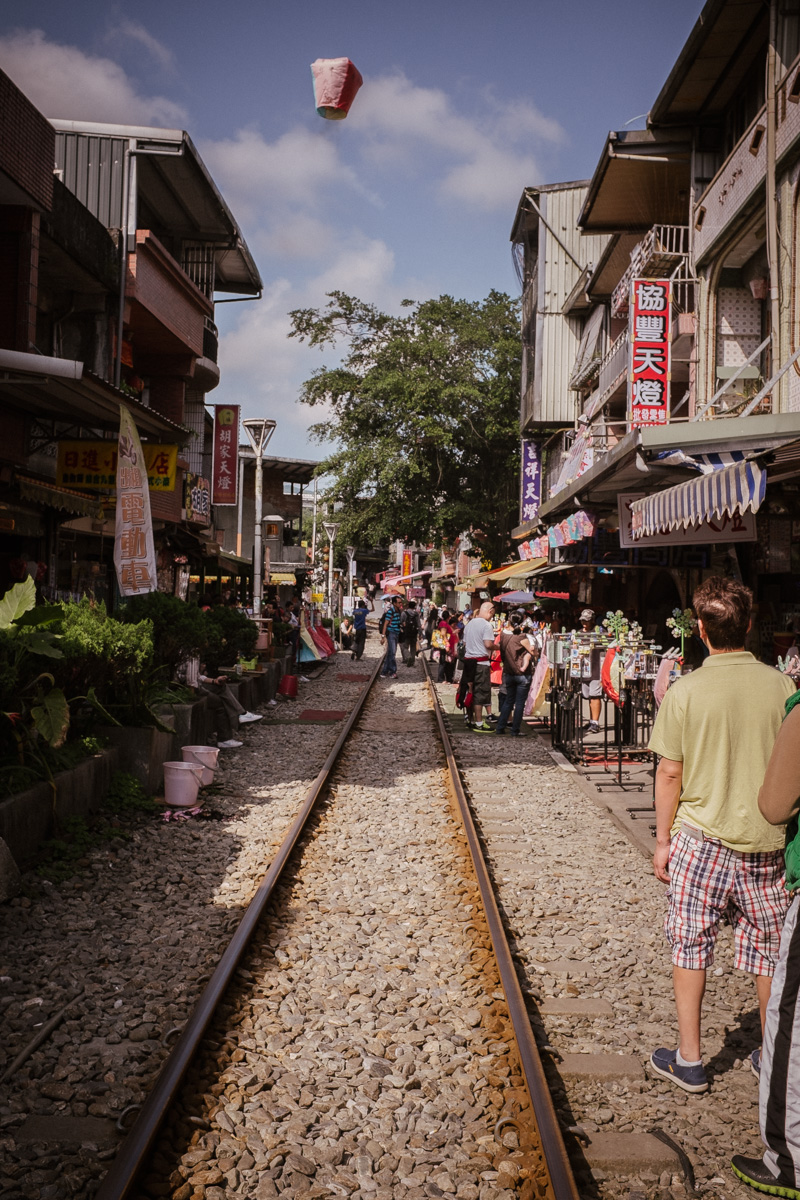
[351, 553]
[331, 528]
[259, 431]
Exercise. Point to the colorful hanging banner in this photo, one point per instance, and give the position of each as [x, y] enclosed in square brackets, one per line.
[93, 465]
[134, 551]
[650, 340]
[225, 474]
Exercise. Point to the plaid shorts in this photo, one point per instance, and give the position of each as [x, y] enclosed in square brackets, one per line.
[706, 878]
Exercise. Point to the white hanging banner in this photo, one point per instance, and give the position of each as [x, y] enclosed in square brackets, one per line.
[134, 552]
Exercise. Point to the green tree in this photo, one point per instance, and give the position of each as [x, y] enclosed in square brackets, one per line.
[425, 413]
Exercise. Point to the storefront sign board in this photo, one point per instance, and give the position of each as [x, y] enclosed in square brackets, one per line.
[197, 499]
[531, 480]
[225, 473]
[93, 465]
[650, 339]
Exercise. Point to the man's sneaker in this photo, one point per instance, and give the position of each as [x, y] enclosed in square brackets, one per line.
[484, 727]
[246, 717]
[755, 1063]
[231, 744]
[591, 727]
[303, 678]
[272, 703]
[520, 733]
[691, 1079]
[755, 1172]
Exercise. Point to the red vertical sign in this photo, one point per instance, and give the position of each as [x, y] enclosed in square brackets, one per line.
[650, 338]
[407, 562]
[225, 475]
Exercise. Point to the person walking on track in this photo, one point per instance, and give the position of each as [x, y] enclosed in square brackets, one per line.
[778, 1172]
[714, 732]
[409, 633]
[390, 635]
[478, 647]
[518, 655]
[359, 630]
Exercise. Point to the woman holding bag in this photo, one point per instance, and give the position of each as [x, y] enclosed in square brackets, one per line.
[518, 655]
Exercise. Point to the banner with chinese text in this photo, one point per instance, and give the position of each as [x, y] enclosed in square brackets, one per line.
[741, 527]
[134, 551]
[650, 338]
[197, 499]
[531, 491]
[225, 475]
[93, 465]
[407, 563]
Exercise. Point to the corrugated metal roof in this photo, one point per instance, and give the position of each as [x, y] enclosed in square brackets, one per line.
[560, 335]
[172, 186]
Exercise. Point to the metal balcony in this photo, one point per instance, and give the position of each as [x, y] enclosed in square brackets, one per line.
[661, 250]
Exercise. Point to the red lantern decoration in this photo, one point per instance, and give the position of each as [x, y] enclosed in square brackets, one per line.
[336, 81]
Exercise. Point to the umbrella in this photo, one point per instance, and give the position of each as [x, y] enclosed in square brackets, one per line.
[515, 598]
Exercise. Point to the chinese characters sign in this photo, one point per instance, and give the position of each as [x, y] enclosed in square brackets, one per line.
[650, 338]
[134, 552]
[197, 499]
[93, 465]
[531, 495]
[225, 476]
[407, 562]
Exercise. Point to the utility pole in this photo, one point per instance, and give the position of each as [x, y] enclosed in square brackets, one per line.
[331, 528]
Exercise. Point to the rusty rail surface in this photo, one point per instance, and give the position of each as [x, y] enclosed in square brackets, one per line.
[555, 1153]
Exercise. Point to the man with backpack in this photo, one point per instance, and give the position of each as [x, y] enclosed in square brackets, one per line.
[389, 627]
[518, 655]
[410, 630]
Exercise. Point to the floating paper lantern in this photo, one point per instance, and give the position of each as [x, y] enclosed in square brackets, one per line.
[336, 81]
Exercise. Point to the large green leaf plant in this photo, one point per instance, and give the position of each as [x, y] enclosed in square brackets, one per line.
[31, 703]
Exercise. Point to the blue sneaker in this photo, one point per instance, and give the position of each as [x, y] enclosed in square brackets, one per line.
[755, 1063]
[691, 1079]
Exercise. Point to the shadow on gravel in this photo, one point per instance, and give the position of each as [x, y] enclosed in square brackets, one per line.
[740, 1039]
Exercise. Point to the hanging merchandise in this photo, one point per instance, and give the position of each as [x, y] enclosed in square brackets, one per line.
[336, 81]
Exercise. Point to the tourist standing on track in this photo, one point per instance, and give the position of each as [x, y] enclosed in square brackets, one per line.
[359, 630]
[390, 635]
[478, 646]
[778, 1173]
[410, 631]
[714, 732]
[447, 653]
[519, 657]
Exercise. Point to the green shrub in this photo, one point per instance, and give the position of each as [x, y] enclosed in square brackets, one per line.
[101, 652]
[179, 628]
[230, 633]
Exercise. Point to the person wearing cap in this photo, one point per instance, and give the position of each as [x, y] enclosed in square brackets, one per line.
[592, 688]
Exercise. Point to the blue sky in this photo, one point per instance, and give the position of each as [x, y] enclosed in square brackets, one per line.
[463, 104]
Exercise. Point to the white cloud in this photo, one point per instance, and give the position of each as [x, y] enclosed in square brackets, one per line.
[132, 31]
[483, 161]
[63, 81]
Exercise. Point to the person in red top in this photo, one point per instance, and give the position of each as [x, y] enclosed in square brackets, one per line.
[447, 658]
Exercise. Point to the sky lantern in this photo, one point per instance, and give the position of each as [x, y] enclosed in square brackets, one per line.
[336, 81]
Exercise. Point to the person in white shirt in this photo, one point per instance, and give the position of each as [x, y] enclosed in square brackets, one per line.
[476, 675]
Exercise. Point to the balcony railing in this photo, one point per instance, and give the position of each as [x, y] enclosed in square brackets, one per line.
[210, 340]
[661, 250]
[613, 368]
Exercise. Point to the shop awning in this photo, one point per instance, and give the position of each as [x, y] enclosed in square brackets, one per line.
[235, 561]
[281, 577]
[731, 490]
[60, 497]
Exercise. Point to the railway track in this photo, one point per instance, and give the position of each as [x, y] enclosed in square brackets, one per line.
[364, 1032]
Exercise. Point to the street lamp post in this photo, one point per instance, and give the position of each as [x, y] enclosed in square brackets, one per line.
[331, 528]
[351, 553]
[259, 431]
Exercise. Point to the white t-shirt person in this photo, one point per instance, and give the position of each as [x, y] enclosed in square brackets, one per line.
[477, 633]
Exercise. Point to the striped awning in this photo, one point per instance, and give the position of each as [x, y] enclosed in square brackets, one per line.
[733, 489]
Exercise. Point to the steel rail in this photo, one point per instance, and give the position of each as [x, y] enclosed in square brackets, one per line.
[121, 1176]
[555, 1153]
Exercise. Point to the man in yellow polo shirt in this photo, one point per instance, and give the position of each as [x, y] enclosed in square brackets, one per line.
[714, 733]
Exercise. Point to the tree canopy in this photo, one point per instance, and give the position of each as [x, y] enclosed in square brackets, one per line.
[424, 409]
